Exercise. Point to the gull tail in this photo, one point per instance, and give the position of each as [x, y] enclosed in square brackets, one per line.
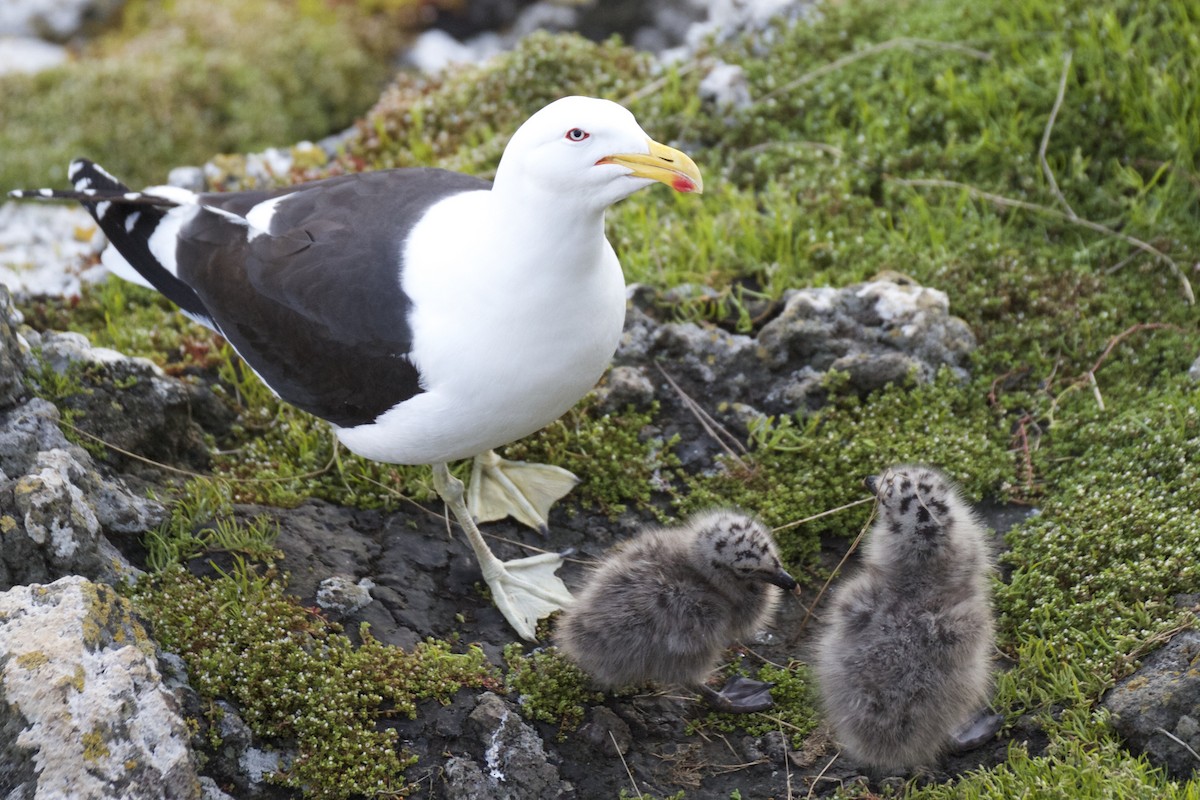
[130, 219]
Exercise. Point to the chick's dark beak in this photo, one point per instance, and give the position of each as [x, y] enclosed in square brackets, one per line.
[870, 483]
[784, 581]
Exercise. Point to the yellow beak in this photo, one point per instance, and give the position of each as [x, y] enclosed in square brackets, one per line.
[664, 164]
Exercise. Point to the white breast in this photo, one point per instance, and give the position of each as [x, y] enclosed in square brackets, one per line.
[510, 330]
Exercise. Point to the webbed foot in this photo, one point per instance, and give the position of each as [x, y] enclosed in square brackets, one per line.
[740, 695]
[526, 590]
[501, 488]
[975, 732]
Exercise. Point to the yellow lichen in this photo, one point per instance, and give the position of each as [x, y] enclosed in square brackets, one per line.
[94, 746]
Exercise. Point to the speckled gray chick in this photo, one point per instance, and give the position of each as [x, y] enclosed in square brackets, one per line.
[663, 606]
[905, 659]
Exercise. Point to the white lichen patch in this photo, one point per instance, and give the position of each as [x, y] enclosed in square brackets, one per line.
[492, 756]
[56, 512]
[895, 301]
[94, 716]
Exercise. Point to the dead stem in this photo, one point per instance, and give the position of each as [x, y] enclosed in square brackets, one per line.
[1185, 285]
[821, 775]
[832, 575]
[875, 49]
[1062, 88]
[787, 525]
[624, 764]
[1179, 742]
[710, 425]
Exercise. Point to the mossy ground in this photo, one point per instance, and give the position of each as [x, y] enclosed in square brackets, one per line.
[174, 83]
[1078, 401]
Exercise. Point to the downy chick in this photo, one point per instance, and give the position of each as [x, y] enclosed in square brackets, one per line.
[665, 605]
[905, 660]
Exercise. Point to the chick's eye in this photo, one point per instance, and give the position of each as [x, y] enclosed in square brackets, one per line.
[577, 134]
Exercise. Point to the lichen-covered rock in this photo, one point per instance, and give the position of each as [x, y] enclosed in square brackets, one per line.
[12, 359]
[55, 508]
[130, 403]
[341, 596]
[1157, 708]
[514, 764]
[877, 332]
[83, 712]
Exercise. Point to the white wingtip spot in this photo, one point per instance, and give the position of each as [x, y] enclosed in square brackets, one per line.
[83, 183]
[133, 195]
[73, 170]
[104, 172]
[131, 220]
[102, 209]
[89, 192]
[46, 192]
[229, 215]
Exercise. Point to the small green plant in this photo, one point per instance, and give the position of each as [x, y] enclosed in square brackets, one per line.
[297, 681]
[548, 686]
[618, 463]
[201, 521]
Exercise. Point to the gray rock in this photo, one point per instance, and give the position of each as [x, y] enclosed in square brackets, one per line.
[342, 596]
[27, 430]
[190, 178]
[55, 508]
[81, 689]
[878, 332]
[726, 87]
[606, 732]
[57, 20]
[129, 403]
[465, 780]
[1194, 370]
[514, 764]
[12, 359]
[625, 386]
[210, 791]
[1157, 709]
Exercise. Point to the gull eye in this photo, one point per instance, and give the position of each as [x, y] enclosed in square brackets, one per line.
[577, 135]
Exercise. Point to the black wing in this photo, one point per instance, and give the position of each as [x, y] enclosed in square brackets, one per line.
[315, 304]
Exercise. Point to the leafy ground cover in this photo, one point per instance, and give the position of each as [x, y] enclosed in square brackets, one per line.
[1035, 161]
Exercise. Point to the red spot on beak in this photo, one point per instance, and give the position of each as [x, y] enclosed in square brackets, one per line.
[683, 184]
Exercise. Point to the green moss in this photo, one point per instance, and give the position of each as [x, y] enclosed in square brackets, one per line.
[132, 320]
[548, 686]
[298, 681]
[619, 458]
[1084, 759]
[1094, 575]
[197, 78]
[820, 461]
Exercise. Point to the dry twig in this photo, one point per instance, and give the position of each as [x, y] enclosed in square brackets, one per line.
[853, 546]
[1062, 88]
[1178, 741]
[1185, 285]
[787, 525]
[714, 429]
[875, 49]
[624, 764]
